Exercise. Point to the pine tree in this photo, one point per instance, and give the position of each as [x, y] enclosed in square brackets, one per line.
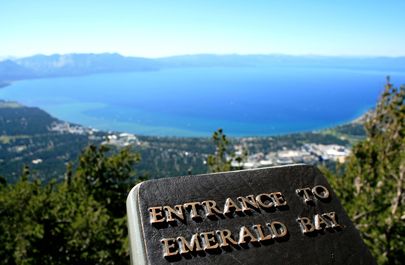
[79, 221]
[224, 159]
[371, 186]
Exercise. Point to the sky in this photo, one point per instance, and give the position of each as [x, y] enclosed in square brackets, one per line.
[157, 28]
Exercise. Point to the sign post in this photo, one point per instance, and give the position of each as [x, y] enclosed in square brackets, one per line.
[279, 215]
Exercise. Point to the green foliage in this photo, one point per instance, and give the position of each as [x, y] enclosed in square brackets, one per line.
[107, 178]
[224, 159]
[219, 161]
[371, 186]
[79, 221]
[49, 225]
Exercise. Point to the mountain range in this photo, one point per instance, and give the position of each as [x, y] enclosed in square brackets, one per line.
[57, 65]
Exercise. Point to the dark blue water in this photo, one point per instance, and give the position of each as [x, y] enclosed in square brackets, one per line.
[197, 101]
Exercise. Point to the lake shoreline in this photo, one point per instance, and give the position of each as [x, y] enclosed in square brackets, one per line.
[196, 102]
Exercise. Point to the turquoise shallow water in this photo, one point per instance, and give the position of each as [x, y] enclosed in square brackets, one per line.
[196, 101]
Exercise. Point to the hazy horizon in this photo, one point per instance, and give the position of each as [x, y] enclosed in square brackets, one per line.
[12, 57]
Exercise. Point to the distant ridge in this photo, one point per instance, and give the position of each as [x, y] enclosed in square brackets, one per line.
[79, 64]
[275, 60]
[10, 70]
[56, 65]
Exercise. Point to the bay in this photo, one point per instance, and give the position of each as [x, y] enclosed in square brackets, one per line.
[244, 101]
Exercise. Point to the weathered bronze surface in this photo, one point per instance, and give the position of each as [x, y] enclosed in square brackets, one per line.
[281, 215]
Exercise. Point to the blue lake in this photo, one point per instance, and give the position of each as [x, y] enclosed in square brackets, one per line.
[196, 101]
